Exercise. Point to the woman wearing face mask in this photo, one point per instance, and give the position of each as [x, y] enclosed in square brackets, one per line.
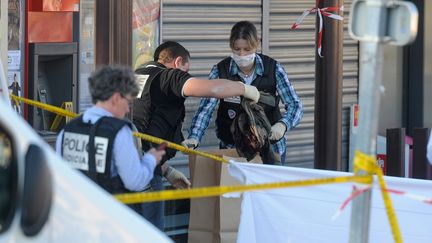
[247, 66]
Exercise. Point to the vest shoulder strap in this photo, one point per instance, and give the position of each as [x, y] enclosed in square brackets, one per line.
[115, 125]
[269, 67]
[77, 119]
[223, 68]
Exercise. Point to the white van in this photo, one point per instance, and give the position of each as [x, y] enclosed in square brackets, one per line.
[43, 200]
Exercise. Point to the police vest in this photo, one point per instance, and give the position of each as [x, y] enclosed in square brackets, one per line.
[94, 161]
[229, 108]
[170, 116]
[142, 107]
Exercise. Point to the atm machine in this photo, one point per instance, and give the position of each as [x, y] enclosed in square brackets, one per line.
[52, 80]
[51, 75]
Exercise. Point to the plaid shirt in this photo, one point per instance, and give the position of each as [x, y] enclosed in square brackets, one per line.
[285, 91]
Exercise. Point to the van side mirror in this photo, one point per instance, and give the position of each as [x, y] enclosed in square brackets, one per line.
[37, 193]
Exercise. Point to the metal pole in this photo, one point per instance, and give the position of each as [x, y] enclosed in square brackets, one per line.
[371, 58]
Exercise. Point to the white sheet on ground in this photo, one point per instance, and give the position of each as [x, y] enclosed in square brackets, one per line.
[304, 214]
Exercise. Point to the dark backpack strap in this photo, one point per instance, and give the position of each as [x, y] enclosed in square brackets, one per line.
[92, 150]
[269, 67]
[117, 125]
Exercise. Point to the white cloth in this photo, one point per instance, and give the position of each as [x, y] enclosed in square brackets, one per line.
[304, 214]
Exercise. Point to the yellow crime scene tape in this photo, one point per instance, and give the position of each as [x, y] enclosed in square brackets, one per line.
[368, 164]
[178, 147]
[361, 162]
[201, 192]
[149, 138]
[50, 108]
[129, 198]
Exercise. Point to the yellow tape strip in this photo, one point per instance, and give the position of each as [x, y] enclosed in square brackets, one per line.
[17, 103]
[178, 147]
[62, 112]
[47, 107]
[389, 208]
[368, 163]
[364, 162]
[130, 198]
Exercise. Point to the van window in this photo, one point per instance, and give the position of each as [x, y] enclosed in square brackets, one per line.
[8, 181]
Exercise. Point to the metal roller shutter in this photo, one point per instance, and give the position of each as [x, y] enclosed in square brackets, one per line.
[295, 49]
[203, 27]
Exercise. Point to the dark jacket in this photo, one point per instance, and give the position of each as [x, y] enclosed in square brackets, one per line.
[227, 111]
[157, 113]
[97, 140]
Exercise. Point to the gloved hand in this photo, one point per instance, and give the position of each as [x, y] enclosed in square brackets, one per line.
[176, 178]
[251, 92]
[277, 131]
[191, 143]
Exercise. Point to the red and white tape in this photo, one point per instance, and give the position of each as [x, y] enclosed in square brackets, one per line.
[321, 12]
[349, 199]
[411, 196]
[393, 191]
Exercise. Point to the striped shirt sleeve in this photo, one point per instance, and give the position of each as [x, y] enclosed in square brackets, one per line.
[293, 104]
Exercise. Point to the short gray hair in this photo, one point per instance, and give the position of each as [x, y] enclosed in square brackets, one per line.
[107, 80]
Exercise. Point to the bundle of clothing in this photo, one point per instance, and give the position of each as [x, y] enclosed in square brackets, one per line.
[251, 131]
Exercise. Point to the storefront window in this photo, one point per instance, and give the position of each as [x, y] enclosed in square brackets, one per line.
[145, 30]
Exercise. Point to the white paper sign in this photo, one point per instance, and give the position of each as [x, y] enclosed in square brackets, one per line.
[14, 60]
[87, 57]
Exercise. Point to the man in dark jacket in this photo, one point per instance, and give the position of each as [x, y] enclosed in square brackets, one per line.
[160, 109]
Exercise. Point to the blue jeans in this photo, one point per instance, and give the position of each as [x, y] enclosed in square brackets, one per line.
[154, 211]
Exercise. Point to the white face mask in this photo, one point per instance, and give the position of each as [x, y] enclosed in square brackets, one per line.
[243, 61]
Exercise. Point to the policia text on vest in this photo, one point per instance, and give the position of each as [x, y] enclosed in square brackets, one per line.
[75, 151]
